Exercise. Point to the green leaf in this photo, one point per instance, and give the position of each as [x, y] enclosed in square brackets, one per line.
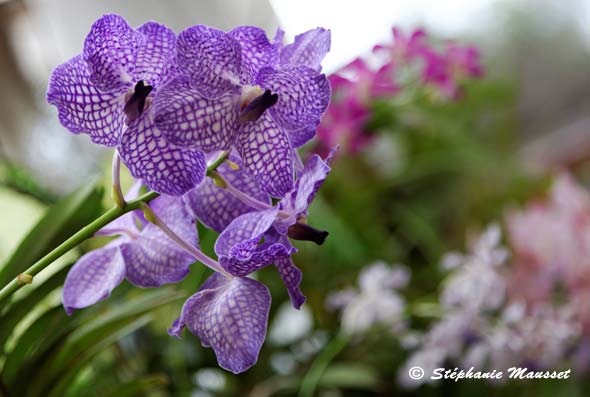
[82, 340]
[67, 376]
[350, 375]
[135, 387]
[60, 221]
[17, 310]
[19, 213]
[31, 340]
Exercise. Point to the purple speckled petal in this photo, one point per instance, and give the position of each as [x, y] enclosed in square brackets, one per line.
[290, 274]
[124, 225]
[308, 49]
[110, 49]
[151, 262]
[247, 227]
[267, 155]
[157, 55]
[189, 120]
[304, 95]
[229, 316]
[82, 108]
[257, 51]
[303, 135]
[279, 39]
[297, 163]
[93, 277]
[172, 211]
[216, 207]
[163, 167]
[311, 179]
[212, 59]
[153, 258]
[247, 257]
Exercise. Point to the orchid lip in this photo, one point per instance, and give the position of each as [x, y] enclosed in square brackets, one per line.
[135, 104]
[253, 110]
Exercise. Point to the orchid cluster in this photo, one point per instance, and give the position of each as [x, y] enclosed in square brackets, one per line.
[392, 71]
[533, 313]
[211, 121]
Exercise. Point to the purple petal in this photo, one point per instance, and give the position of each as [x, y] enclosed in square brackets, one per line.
[82, 108]
[304, 95]
[216, 207]
[110, 49]
[279, 38]
[188, 119]
[151, 262]
[290, 274]
[163, 167]
[267, 155]
[308, 49]
[153, 258]
[297, 163]
[211, 57]
[93, 277]
[247, 257]
[250, 226]
[257, 50]
[172, 211]
[125, 225]
[156, 56]
[311, 179]
[303, 135]
[229, 316]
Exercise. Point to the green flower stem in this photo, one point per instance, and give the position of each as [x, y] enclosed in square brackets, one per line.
[83, 234]
[318, 367]
[116, 193]
[222, 157]
[194, 251]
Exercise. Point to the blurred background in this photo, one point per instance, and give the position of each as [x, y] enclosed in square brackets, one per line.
[429, 170]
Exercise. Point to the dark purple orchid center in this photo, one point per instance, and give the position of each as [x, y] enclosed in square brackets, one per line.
[253, 110]
[136, 102]
[304, 232]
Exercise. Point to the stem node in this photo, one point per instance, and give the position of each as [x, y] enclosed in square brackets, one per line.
[148, 213]
[24, 278]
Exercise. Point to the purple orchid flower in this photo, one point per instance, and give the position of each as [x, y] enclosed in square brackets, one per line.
[405, 48]
[240, 90]
[107, 93]
[146, 257]
[238, 246]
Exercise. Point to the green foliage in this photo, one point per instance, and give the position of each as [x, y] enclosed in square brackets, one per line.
[62, 220]
[45, 352]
